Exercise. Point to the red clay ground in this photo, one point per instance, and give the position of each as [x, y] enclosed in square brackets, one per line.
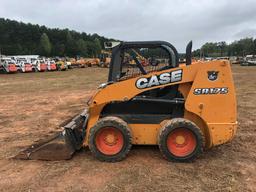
[32, 105]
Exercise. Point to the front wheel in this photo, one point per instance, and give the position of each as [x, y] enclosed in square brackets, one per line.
[110, 139]
[180, 140]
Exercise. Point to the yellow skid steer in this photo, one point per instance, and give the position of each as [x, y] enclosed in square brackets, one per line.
[182, 108]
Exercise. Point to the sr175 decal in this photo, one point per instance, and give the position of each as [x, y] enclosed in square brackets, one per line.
[214, 90]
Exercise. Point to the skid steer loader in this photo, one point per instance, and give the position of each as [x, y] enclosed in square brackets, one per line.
[182, 108]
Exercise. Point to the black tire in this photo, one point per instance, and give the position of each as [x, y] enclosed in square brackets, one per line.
[179, 123]
[118, 124]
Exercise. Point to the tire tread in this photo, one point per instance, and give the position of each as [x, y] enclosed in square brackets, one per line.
[103, 123]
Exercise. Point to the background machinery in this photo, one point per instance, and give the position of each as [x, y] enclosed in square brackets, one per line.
[39, 65]
[51, 65]
[105, 58]
[8, 65]
[92, 62]
[61, 65]
[24, 65]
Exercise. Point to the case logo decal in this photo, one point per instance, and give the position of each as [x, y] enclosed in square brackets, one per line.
[212, 75]
[156, 80]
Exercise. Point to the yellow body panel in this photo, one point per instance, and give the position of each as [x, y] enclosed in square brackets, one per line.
[144, 133]
[214, 114]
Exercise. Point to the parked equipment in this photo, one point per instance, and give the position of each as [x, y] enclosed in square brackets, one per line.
[51, 65]
[61, 65]
[182, 108]
[68, 64]
[105, 58]
[73, 63]
[81, 63]
[8, 65]
[249, 60]
[236, 60]
[39, 65]
[24, 65]
[90, 62]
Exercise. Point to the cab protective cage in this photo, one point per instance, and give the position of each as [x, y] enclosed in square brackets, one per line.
[117, 51]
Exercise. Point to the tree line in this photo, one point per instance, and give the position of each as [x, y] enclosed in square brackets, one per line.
[18, 38]
[242, 47]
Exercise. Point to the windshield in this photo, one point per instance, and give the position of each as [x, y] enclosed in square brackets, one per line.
[137, 61]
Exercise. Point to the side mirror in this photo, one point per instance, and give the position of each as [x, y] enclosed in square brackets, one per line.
[111, 44]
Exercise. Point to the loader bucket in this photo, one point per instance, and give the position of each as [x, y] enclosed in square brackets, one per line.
[60, 146]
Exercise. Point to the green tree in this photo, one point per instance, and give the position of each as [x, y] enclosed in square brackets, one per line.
[81, 48]
[70, 45]
[97, 46]
[45, 44]
[20, 38]
[222, 47]
[59, 49]
[254, 47]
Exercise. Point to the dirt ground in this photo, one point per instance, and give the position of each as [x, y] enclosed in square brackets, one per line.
[33, 105]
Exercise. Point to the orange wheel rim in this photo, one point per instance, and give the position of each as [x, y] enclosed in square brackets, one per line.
[109, 141]
[181, 142]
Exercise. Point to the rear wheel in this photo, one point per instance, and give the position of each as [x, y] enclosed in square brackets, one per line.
[110, 139]
[180, 140]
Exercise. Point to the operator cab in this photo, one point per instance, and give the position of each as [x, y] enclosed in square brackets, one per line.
[135, 59]
[131, 59]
